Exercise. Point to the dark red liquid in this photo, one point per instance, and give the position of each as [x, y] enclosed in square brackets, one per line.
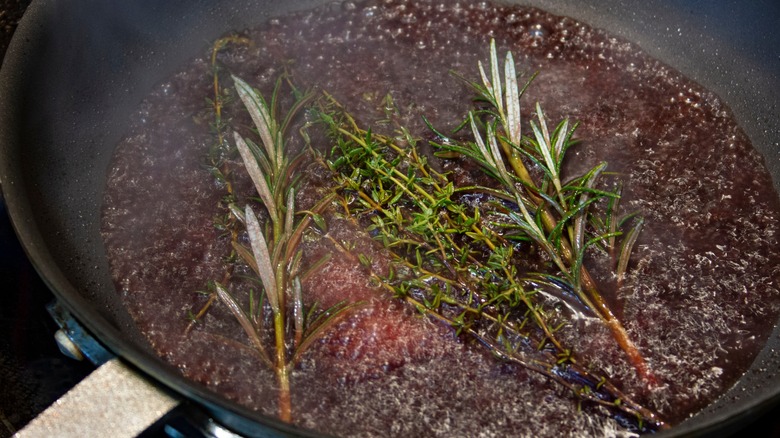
[702, 292]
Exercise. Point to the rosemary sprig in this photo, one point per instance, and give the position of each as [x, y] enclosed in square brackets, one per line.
[273, 253]
[456, 266]
[560, 211]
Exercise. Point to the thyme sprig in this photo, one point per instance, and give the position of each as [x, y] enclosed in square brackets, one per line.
[459, 262]
[217, 164]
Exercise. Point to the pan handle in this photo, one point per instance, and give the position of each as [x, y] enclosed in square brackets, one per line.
[114, 401]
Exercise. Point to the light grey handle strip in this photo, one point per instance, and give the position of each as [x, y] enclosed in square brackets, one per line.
[114, 401]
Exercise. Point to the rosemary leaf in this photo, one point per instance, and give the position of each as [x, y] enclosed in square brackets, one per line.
[497, 92]
[253, 169]
[263, 259]
[298, 311]
[330, 318]
[246, 255]
[243, 319]
[512, 101]
[626, 247]
[258, 110]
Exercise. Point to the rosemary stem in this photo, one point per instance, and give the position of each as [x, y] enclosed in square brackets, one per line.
[591, 296]
[593, 299]
[285, 400]
[517, 164]
[619, 332]
[282, 372]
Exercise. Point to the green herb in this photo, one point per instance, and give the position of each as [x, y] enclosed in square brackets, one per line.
[273, 253]
[560, 212]
[460, 262]
[216, 164]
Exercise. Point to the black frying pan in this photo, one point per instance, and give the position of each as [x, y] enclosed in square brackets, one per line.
[76, 70]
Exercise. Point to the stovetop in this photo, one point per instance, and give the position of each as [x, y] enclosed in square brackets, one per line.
[33, 372]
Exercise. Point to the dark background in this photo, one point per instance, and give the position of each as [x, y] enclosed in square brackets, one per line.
[33, 373]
